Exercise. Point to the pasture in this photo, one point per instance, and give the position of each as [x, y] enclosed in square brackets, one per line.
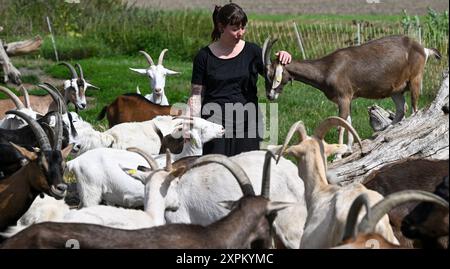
[106, 45]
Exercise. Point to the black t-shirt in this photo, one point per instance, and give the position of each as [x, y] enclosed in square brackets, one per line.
[228, 80]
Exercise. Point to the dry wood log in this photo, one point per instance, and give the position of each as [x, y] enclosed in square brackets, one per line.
[10, 73]
[23, 47]
[423, 135]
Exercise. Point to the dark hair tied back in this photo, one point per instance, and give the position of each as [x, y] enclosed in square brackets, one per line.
[229, 14]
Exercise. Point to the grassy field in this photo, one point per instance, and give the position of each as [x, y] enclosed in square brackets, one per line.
[107, 44]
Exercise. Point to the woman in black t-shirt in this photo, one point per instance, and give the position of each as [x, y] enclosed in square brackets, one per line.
[224, 83]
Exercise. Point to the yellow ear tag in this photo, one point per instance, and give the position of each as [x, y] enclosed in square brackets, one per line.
[131, 171]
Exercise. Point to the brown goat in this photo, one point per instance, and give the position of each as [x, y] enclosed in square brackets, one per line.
[411, 174]
[364, 236]
[428, 223]
[132, 107]
[385, 67]
[42, 173]
[247, 225]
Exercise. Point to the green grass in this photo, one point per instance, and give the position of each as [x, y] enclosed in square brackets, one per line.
[297, 102]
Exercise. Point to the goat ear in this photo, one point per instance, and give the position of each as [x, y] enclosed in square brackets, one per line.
[273, 207]
[88, 85]
[275, 149]
[331, 149]
[171, 72]
[140, 71]
[230, 205]
[66, 151]
[134, 173]
[27, 154]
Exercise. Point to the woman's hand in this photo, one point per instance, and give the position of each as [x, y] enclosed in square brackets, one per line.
[284, 57]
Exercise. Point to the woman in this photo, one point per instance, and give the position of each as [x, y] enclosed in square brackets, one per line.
[224, 80]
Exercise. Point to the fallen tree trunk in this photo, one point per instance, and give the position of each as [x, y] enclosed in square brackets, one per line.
[423, 135]
[23, 47]
[10, 73]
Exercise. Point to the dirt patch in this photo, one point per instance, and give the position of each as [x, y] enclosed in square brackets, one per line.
[306, 6]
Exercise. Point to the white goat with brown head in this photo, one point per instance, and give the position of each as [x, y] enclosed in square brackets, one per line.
[327, 205]
[157, 75]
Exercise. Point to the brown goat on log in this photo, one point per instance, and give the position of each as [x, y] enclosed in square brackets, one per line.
[132, 107]
[385, 67]
[423, 175]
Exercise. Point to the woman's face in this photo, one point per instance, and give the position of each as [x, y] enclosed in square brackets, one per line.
[233, 32]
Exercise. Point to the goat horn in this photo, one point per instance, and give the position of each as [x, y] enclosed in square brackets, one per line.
[352, 217]
[235, 169]
[168, 161]
[26, 96]
[77, 65]
[153, 164]
[161, 56]
[13, 97]
[265, 185]
[59, 95]
[149, 59]
[368, 223]
[54, 95]
[326, 125]
[41, 137]
[72, 70]
[296, 127]
[57, 141]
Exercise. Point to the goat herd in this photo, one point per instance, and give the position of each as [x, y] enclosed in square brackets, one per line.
[144, 184]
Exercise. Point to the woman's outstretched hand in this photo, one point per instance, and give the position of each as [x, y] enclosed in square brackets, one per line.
[284, 57]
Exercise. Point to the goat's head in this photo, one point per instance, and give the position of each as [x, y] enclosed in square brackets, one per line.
[276, 76]
[156, 73]
[48, 163]
[428, 221]
[75, 88]
[160, 184]
[314, 149]
[205, 130]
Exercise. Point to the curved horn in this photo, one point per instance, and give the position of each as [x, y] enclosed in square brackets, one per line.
[298, 127]
[236, 170]
[161, 56]
[168, 161]
[59, 130]
[13, 97]
[352, 217]
[72, 70]
[153, 164]
[26, 96]
[265, 185]
[58, 93]
[41, 137]
[330, 122]
[149, 59]
[77, 65]
[368, 223]
[267, 49]
[56, 98]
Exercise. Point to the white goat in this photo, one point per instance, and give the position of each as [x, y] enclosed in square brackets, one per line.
[328, 205]
[202, 188]
[11, 121]
[124, 135]
[159, 196]
[157, 75]
[99, 173]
